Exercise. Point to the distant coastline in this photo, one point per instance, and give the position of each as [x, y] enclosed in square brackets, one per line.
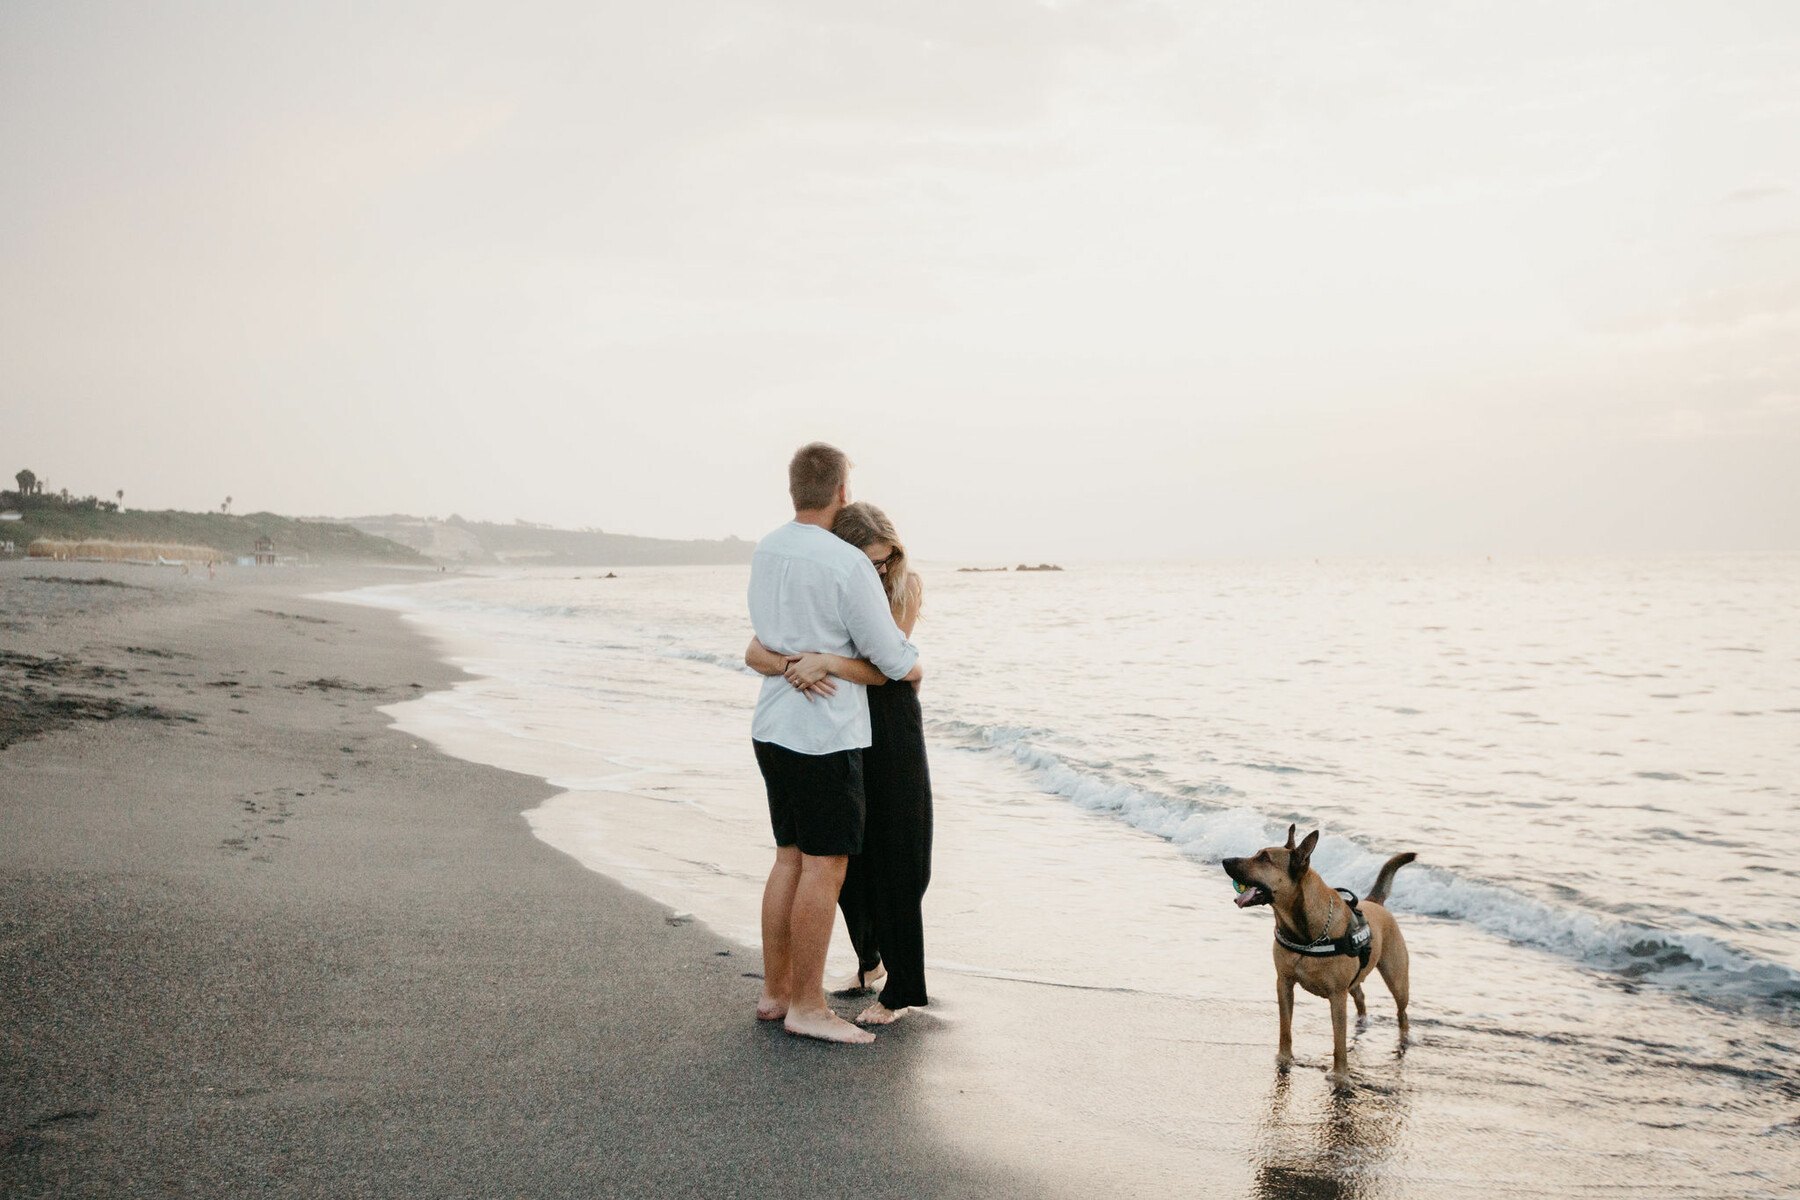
[66, 526]
[84, 528]
[457, 542]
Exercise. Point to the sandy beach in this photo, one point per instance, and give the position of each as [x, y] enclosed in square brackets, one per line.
[254, 940]
[255, 937]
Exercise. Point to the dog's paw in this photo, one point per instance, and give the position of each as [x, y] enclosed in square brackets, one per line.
[1283, 1061]
[1339, 1079]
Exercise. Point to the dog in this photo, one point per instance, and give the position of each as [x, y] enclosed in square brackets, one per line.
[1318, 941]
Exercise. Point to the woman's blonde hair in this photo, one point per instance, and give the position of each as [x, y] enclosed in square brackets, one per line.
[862, 525]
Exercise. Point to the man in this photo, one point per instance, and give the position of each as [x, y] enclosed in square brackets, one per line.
[811, 592]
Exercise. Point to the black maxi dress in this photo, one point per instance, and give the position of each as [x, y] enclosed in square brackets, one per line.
[885, 884]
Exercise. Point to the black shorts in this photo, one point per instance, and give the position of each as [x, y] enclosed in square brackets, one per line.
[815, 800]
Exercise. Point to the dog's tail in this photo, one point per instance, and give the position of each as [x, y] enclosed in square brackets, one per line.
[1379, 893]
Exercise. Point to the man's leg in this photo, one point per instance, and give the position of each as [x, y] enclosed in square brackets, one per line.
[814, 909]
[777, 916]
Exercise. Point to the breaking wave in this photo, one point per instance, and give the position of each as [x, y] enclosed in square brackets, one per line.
[1207, 826]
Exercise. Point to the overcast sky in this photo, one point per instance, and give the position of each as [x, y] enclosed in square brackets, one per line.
[1066, 279]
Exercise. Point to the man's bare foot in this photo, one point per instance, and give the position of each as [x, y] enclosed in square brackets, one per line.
[770, 1009]
[858, 982]
[826, 1026]
[879, 1014]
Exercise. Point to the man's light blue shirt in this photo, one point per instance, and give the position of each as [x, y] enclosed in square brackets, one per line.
[813, 592]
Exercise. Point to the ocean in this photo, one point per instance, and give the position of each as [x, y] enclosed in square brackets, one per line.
[1597, 761]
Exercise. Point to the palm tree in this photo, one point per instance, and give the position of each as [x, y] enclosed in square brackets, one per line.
[225, 507]
[26, 481]
[120, 496]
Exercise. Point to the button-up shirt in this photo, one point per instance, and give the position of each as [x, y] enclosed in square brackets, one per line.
[813, 592]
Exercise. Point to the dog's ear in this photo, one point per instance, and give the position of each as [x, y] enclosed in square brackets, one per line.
[1290, 844]
[1301, 858]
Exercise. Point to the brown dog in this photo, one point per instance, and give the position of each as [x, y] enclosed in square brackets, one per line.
[1318, 942]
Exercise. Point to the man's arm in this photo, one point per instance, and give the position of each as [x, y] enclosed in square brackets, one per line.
[864, 609]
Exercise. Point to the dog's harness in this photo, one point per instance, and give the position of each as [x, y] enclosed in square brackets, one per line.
[1355, 941]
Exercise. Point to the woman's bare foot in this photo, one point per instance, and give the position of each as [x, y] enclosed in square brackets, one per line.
[858, 982]
[770, 1009]
[826, 1026]
[879, 1014]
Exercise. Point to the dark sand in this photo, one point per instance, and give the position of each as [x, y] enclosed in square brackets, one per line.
[254, 940]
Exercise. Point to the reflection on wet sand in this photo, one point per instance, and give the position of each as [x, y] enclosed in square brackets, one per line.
[1329, 1143]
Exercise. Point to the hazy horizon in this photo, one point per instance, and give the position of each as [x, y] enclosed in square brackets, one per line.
[1067, 280]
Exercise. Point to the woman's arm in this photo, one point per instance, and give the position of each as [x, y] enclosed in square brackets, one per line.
[764, 661]
[807, 670]
[814, 672]
[816, 678]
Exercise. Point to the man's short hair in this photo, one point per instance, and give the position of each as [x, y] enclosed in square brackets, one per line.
[815, 474]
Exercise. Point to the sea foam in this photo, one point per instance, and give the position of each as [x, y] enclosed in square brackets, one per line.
[1211, 831]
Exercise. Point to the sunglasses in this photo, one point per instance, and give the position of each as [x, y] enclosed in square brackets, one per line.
[882, 564]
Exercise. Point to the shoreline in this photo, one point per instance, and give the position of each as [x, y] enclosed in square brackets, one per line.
[1018, 1060]
[284, 946]
[288, 945]
[1006, 1067]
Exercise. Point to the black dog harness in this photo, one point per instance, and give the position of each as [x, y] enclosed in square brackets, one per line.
[1355, 941]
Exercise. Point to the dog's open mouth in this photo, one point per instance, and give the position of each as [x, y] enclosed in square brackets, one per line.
[1251, 894]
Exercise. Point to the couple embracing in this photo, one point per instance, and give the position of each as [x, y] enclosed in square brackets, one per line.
[840, 740]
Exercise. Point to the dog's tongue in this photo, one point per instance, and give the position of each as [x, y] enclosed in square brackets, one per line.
[1252, 896]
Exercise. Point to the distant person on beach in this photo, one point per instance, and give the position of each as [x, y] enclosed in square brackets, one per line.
[813, 593]
[884, 886]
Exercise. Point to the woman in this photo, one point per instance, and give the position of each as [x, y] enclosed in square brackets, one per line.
[885, 884]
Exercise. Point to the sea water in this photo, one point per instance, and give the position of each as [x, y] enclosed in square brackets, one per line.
[1596, 760]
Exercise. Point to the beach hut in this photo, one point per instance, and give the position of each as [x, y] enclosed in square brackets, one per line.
[265, 552]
